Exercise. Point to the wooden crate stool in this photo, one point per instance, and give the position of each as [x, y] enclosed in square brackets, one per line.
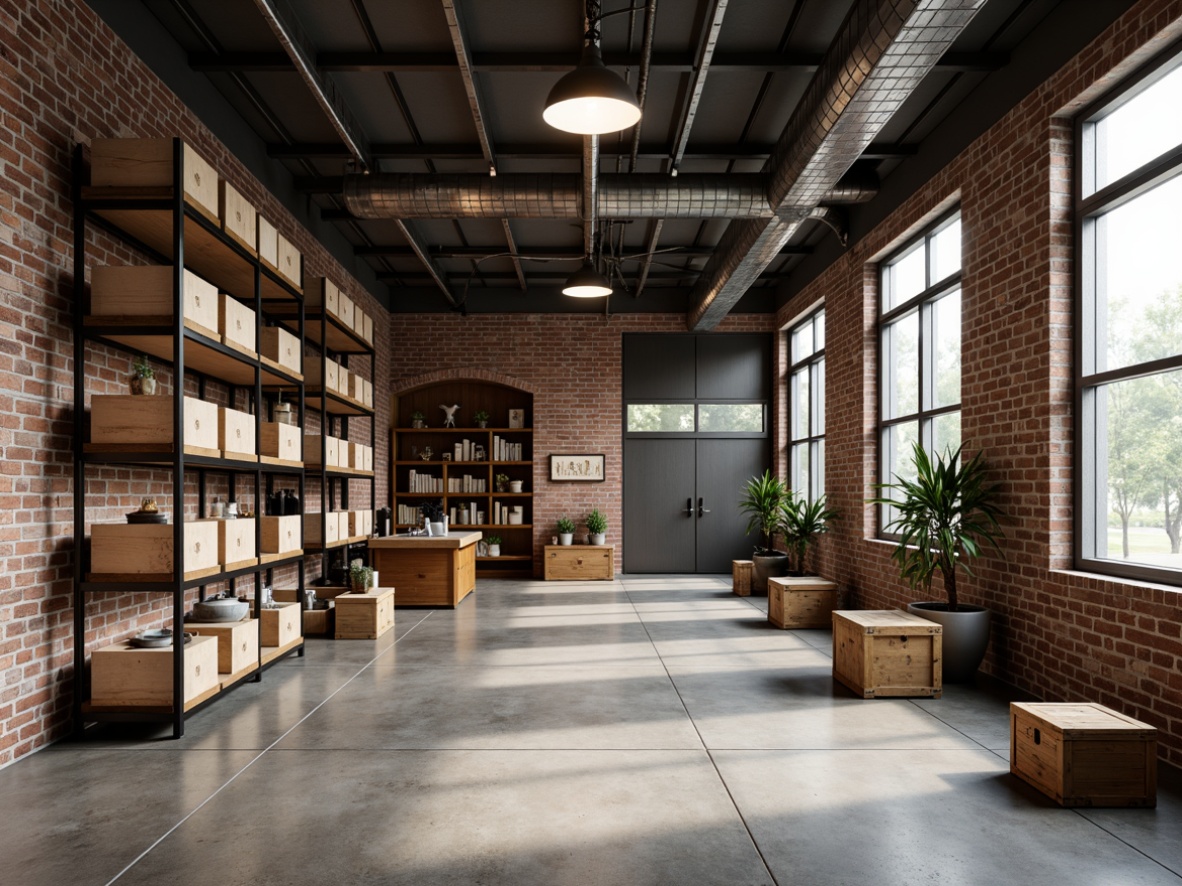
[888, 652]
[802, 601]
[741, 577]
[1084, 754]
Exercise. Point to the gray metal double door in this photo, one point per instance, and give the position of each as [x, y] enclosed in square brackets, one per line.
[682, 487]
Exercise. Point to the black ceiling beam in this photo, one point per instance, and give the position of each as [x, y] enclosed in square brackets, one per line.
[543, 252]
[548, 62]
[559, 276]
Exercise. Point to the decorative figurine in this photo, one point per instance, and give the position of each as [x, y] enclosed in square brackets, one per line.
[450, 413]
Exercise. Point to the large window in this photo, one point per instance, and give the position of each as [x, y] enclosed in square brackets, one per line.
[1129, 329]
[806, 406]
[919, 349]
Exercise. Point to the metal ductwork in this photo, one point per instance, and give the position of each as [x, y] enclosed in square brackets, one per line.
[883, 51]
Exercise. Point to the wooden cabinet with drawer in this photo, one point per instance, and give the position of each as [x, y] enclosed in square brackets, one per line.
[580, 562]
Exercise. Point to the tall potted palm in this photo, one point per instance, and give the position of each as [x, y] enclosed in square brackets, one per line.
[943, 517]
[801, 522]
[761, 501]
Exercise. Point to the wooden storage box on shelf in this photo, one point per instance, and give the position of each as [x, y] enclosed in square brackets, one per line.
[321, 529]
[122, 675]
[883, 653]
[330, 453]
[238, 216]
[345, 310]
[146, 291]
[342, 518]
[321, 292]
[367, 453]
[367, 328]
[130, 420]
[579, 562]
[279, 626]
[316, 621]
[144, 550]
[281, 348]
[365, 616]
[804, 601]
[281, 441]
[1084, 754]
[281, 535]
[322, 371]
[268, 243]
[236, 434]
[741, 577]
[236, 325]
[236, 543]
[148, 163]
[238, 643]
[289, 263]
[367, 398]
[360, 523]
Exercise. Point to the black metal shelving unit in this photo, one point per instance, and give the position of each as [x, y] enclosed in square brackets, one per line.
[157, 222]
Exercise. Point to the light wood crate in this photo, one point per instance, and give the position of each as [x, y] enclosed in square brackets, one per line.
[367, 328]
[147, 163]
[579, 562]
[741, 577]
[1084, 754]
[238, 643]
[289, 263]
[313, 454]
[123, 675]
[322, 529]
[281, 535]
[364, 616]
[282, 441]
[236, 324]
[236, 543]
[805, 601]
[279, 626]
[131, 420]
[885, 653]
[238, 216]
[326, 371]
[360, 523]
[146, 291]
[146, 549]
[268, 242]
[345, 310]
[282, 348]
[321, 292]
[236, 434]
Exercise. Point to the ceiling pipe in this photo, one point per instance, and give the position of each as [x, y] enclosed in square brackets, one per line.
[882, 52]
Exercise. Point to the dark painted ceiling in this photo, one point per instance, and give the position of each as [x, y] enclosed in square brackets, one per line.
[710, 107]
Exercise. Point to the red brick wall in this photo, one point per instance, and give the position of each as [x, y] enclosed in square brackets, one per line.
[573, 366]
[1058, 634]
[66, 78]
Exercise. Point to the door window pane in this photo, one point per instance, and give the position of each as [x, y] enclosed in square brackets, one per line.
[734, 417]
[661, 417]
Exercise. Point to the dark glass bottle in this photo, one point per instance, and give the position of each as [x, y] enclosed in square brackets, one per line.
[291, 503]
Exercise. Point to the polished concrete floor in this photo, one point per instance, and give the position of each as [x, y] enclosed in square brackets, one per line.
[653, 730]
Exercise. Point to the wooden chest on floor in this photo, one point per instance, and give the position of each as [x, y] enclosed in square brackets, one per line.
[1084, 754]
[364, 616]
[882, 653]
[804, 601]
[124, 675]
[741, 577]
[238, 642]
[580, 562]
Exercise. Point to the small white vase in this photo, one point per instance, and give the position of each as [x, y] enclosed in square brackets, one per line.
[566, 538]
[515, 485]
[598, 538]
[494, 550]
[438, 529]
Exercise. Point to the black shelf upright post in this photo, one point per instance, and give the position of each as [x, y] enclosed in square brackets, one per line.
[79, 430]
[178, 430]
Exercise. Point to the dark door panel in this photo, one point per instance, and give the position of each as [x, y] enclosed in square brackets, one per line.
[659, 479]
[723, 468]
[659, 367]
[734, 367]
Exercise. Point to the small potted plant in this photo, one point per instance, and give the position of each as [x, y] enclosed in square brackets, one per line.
[597, 526]
[494, 545]
[801, 521]
[566, 530]
[762, 502]
[481, 418]
[502, 482]
[360, 577]
[416, 420]
[143, 376]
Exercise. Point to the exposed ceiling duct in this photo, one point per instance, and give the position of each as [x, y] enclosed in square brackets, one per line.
[883, 51]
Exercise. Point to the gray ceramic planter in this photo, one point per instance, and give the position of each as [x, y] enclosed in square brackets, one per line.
[765, 566]
[966, 636]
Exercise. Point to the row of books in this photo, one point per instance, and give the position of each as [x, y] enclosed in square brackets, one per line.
[503, 450]
[466, 483]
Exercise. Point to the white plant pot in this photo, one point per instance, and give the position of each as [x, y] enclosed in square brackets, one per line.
[515, 485]
[437, 529]
[598, 538]
[566, 538]
[494, 550]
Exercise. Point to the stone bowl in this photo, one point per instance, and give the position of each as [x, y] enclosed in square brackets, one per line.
[220, 610]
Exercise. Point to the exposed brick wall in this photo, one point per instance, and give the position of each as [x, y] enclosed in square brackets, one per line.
[66, 78]
[1058, 634]
[572, 364]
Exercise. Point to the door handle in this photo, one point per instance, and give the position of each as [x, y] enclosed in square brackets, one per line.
[701, 510]
[689, 507]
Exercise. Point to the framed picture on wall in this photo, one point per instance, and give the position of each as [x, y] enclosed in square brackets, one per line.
[517, 418]
[577, 468]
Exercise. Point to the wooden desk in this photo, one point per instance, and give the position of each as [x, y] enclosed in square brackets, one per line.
[427, 570]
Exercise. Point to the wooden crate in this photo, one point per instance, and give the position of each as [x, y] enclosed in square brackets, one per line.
[147, 163]
[322, 293]
[580, 562]
[804, 601]
[143, 549]
[357, 387]
[342, 518]
[146, 291]
[282, 348]
[883, 653]
[360, 523]
[123, 675]
[236, 543]
[321, 529]
[367, 398]
[345, 310]
[132, 420]
[367, 328]
[289, 263]
[238, 642]
[268, 243]
[236, 434]
[239, 219]
[1084, 754]
[236, 324]
[364, 616]
[323, 592]
[320, 622]
[331, 454]
[741, 577]
[368, 453]
[279, 440]
[323, 372]
[280, 626]
[281, 535]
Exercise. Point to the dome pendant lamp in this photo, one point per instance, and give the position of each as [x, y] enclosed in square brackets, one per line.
[587, 283]
[591, 99]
